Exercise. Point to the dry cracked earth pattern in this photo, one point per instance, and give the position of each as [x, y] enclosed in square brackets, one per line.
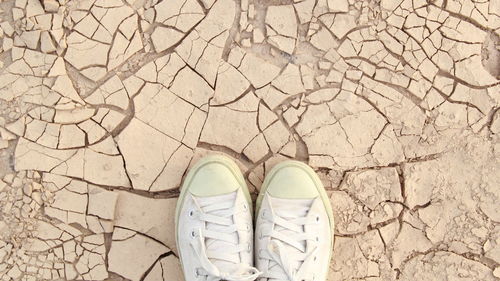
[104, 105]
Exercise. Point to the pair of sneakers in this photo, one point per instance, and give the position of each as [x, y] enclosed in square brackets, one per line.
[214, 224]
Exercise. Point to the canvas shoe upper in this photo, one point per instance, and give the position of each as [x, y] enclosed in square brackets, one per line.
[214, 230]
[294, 228]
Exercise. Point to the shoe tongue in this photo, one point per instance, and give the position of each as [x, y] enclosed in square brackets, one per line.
[290, 209]
[217, 245]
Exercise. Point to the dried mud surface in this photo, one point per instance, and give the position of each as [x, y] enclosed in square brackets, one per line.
[104, 105]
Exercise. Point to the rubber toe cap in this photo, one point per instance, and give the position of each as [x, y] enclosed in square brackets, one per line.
[212, 179]
[292, 181]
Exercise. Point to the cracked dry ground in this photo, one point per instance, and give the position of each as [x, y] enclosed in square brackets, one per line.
[104, 105]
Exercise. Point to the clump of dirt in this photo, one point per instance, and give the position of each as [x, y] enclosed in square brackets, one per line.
[490, 54]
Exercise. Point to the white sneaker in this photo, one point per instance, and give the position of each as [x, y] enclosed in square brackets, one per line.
[294, 228]
[214, 230]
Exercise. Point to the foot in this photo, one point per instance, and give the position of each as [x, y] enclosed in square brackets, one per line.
[214, 223]
[294, 228]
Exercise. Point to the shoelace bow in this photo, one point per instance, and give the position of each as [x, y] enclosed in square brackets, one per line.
[287, 250]
[221, 213]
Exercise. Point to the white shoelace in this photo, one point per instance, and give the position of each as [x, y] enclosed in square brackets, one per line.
[291, 249]
[217, 246]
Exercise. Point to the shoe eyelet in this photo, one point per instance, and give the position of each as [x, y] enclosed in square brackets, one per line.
[245, 207]
[191, 213]
[317, 218]
[248, 227]
[259, 253]
[315, 258]
[317, 238]
[263, 215]
[193, 234]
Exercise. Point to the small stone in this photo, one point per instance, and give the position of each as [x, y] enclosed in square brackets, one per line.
[496, 272]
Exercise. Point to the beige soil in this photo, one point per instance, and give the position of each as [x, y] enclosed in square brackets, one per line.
[105, 104]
